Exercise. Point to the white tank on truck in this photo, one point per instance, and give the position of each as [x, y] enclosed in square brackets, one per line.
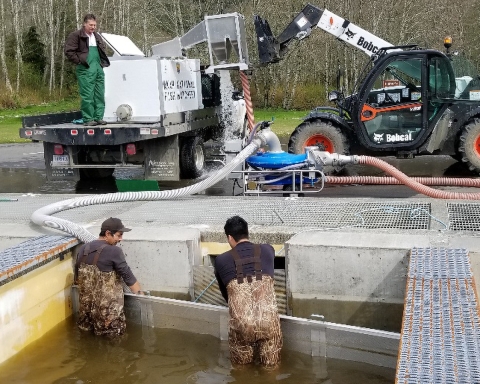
[160, 109]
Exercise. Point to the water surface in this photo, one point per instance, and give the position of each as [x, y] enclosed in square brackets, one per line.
[67, 355]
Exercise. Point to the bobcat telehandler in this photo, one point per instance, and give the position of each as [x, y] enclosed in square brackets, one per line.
[410, 101]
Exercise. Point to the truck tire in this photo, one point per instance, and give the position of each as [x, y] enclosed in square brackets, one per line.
[192, 157]
[470, 145]
[323, 134]
[96, 173]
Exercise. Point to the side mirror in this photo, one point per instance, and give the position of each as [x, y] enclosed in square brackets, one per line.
[333, 96]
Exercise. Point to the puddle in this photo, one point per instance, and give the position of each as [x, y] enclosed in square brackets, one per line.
[24, 173]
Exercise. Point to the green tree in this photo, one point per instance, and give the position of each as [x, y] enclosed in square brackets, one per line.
[34, 50]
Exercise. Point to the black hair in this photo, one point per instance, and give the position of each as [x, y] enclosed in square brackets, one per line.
[89, 16]
[237, 228]
[103, 233]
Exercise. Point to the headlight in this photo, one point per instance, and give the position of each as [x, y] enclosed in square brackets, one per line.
[333, 96]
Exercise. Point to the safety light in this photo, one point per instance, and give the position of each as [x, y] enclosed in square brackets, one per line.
[131, 149]
[107, 131]
[28, 133]
[447, 42]
[58, 149]
[74, 132]
[90, 132]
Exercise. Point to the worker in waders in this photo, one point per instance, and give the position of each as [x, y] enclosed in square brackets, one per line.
[100, 271]
[245, 276]
[87, 50]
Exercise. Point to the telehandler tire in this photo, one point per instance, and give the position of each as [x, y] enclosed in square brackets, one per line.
[192, 157]
[323, 134]
[470, 145]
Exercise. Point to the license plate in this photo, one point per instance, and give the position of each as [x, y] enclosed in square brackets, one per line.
[61, 160]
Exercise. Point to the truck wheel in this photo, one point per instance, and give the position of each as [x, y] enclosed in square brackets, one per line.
[470, 145]
[96, 173]
[323, 134]
[192, 157]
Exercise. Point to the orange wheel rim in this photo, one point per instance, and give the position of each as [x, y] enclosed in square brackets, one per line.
[327, 143]
[476, 146]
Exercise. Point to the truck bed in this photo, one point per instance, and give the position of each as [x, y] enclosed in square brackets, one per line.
[59, 128]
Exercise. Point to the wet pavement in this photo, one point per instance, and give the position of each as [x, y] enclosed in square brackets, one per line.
[22, 170]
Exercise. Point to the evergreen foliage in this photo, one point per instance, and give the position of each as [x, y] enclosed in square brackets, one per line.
[34, 50]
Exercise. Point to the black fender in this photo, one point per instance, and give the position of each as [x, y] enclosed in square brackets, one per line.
[333, 116]
[462, 119]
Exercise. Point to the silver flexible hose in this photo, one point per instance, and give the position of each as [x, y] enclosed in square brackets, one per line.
[278, 170]
[42, 216]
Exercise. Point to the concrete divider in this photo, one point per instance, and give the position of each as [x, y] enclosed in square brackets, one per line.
[357, 277]
[162, 259]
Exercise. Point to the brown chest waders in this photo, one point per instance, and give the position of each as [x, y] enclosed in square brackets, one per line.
[100, 297]
[254, 326]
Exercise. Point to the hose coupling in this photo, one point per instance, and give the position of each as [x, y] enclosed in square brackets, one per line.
[323, 158]
[268, 137]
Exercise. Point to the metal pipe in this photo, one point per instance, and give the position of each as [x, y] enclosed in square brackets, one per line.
[271, 140]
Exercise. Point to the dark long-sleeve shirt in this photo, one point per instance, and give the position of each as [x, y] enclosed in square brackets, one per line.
[225, 270]
[111, 259]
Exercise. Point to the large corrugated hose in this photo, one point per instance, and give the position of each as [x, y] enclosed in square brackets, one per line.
[386, 180]
[42, 216]
[248, 99]
[416, 185]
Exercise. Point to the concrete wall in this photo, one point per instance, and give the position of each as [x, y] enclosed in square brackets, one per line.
[357, 277]
[162, 259]
[33, 304]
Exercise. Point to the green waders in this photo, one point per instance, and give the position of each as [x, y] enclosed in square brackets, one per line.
[91, 84]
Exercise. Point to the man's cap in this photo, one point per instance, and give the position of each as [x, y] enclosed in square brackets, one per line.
[114, 225]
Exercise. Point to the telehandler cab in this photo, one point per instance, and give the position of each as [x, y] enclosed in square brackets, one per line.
[410, 101]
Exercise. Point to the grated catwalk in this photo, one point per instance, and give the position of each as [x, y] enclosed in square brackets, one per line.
[441, 328]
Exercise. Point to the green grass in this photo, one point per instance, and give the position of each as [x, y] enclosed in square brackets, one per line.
[11, 119]
[284, 122]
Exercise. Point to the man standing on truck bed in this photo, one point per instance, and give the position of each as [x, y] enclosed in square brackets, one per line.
[245, 276]
[87, 50]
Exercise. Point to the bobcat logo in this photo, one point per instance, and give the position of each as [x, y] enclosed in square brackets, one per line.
[378, 137]
[349, 34]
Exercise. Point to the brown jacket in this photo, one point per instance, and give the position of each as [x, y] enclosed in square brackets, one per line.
[76, 48]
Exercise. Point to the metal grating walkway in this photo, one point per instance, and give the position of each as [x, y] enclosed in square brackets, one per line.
[464, 216]
[283, 212]
[20, 259]
[440, 341]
